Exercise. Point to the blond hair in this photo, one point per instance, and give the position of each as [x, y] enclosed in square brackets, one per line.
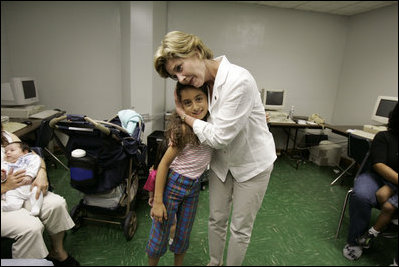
[177, 44]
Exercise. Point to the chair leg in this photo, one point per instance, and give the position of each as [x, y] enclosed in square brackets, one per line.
[345, 171]
[343, 212]
[54, 157]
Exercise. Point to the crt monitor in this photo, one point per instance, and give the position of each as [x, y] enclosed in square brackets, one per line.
[273, 99]
[383, 107]
[20, 91]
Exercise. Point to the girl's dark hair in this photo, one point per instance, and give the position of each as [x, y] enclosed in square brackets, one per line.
[393, 123]
[162, 147]
[174, 129]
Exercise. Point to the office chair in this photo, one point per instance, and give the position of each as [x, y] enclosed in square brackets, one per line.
[359, 151]
[44, 135]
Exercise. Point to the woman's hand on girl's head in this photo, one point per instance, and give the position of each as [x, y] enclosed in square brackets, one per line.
[179, 107]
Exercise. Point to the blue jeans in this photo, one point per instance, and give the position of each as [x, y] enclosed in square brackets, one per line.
[361, 202]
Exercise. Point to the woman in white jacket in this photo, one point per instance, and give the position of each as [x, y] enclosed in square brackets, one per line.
[244, 148]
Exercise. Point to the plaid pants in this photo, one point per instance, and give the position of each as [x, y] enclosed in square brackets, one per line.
[181, 199]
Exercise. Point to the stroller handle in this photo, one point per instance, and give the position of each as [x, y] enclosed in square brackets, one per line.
[100, 127]
[54, 121]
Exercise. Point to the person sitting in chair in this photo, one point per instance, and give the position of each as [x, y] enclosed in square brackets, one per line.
[384, 162]
[27, 230]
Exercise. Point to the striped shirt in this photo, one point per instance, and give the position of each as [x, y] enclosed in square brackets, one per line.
[192, 161]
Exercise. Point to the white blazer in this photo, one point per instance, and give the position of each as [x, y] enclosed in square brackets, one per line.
[237, 126]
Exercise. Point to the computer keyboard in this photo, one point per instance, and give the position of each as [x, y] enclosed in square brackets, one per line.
[4, 119]
[44, 114]
[363, 134]
[281, 120]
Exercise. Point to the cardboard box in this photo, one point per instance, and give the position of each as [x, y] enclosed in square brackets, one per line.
[325, 154]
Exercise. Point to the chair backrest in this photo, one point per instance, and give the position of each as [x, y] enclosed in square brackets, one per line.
[359, 150]
[358, 147]
[44, 134]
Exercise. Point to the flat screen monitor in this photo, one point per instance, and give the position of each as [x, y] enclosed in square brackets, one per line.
[20, 91]
[273, 99]
[383, 107]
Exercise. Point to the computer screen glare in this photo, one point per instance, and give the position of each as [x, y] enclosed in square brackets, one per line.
[274, 98]
[385, 107]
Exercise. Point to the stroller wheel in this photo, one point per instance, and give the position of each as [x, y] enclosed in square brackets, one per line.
[130, 225]
[76, 215]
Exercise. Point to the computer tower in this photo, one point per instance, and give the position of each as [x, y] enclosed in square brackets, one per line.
[153, 140]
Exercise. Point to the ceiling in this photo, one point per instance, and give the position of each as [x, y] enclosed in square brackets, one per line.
[346, 8]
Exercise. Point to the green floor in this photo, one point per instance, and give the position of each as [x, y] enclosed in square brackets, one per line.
[295, 226]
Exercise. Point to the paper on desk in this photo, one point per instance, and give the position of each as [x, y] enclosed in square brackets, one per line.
[350, 130]
[13, 126]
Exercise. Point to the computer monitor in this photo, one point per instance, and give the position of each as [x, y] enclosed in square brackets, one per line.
[273, 99]
[20, 91]
[383, 107]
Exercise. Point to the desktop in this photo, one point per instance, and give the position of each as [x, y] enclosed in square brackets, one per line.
[21, 91]
[382, 109]
[273, 99]
[17, 97]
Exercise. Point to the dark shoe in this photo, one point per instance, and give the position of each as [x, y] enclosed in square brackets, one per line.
[365, 240]
[70, 261]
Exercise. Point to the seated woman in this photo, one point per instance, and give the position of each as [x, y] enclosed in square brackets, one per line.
[384, 162]
[27, 230]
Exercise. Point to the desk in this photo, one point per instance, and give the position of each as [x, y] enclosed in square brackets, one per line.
[34, 126]
[295, 126]
[342, 129]
[28, 129]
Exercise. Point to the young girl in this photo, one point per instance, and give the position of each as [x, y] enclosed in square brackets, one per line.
[177, 184]
[150, 183]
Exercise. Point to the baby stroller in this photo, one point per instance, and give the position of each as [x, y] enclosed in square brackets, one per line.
[104, 160]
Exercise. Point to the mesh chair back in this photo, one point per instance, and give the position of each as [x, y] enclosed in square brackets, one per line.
[359, 150]
[44, 135]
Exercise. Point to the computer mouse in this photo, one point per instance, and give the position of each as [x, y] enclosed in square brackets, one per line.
[27, 122]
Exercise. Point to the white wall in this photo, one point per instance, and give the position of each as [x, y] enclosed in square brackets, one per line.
[73, 49]
[370, 66]
[95, 58]
[299, 51]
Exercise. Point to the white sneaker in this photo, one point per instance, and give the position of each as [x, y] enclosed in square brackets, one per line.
[394, 262]
[170, 241]
[352, 252]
